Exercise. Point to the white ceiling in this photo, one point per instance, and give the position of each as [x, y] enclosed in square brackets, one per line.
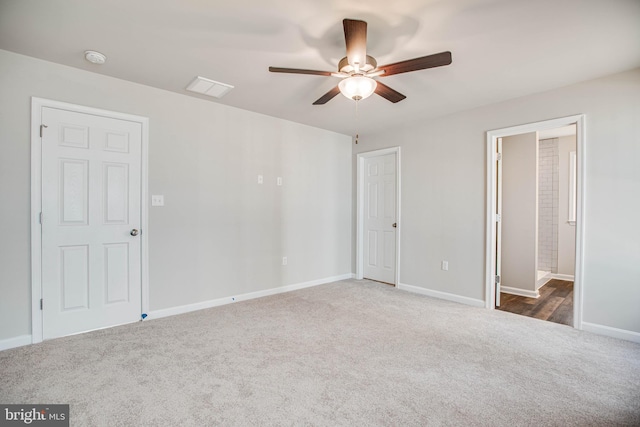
[501, 48]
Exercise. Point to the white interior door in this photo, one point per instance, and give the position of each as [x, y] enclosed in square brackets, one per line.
[380, 189]
[91, 216]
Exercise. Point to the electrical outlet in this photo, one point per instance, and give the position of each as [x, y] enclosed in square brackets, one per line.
[157, 200]
[445, 265]
[284, 260]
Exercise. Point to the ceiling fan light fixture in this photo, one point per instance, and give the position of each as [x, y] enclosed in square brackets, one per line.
[357, 87]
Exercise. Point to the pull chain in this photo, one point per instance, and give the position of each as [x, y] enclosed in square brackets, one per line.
[357, 116]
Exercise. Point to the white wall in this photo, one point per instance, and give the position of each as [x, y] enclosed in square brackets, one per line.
[566, 232]
[443, 193]
[519, 211]
[220, 234]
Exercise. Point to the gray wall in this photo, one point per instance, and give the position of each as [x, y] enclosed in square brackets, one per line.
[219, 234]
[519, 211]
[200, 150]
[444, 201]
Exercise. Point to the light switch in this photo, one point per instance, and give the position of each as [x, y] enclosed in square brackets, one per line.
[157, 200]
[279, 180]
[260, 179]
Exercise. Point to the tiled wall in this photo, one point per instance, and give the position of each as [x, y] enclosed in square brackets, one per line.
[548, 205]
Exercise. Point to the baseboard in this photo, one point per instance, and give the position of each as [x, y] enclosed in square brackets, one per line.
[172, 311]
[543, 281]
[608, 331]
[441, 295]
[519, 292]
[14, 342]
[568, 277]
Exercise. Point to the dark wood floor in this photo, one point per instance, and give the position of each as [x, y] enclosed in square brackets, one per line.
[555, 303]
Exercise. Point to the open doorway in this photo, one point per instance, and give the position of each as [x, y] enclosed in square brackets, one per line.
[534, 226]
[537, 229]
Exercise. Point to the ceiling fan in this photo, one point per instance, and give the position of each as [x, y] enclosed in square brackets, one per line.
[358, 69]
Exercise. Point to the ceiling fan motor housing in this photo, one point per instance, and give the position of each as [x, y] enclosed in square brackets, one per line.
[345, 67]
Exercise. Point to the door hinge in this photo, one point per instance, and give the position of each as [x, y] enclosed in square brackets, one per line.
[497, 279]
[498, 217]
[41, 304]
[40, 217]
[499, 157]
[41, 128]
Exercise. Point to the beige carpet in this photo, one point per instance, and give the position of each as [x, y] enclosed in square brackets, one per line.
[347, 353]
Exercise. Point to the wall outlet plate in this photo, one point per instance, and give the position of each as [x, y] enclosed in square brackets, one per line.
[157, 200]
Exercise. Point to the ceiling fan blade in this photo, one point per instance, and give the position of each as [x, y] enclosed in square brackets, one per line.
[327, 96]
[299, 71]
[430, 61]
[355, 36]
[389, 94]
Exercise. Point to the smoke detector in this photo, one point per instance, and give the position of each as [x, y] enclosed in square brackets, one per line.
[95, 57]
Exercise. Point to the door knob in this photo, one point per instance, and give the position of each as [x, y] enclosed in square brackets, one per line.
[394, 225]
[134, 232]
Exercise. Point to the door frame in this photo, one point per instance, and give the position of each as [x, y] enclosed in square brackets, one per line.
[492, 137]
[360, 160]
[36, 203]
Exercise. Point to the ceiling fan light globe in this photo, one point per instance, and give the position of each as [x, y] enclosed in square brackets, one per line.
[357, 87]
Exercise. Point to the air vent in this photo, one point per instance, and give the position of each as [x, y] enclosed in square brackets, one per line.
[209, 87]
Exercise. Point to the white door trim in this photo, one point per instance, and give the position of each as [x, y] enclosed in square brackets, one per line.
[36, 202]
[360, 208]
[492, 137]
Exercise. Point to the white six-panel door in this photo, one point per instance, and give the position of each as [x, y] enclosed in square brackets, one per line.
[91, 202]
[380, 218]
